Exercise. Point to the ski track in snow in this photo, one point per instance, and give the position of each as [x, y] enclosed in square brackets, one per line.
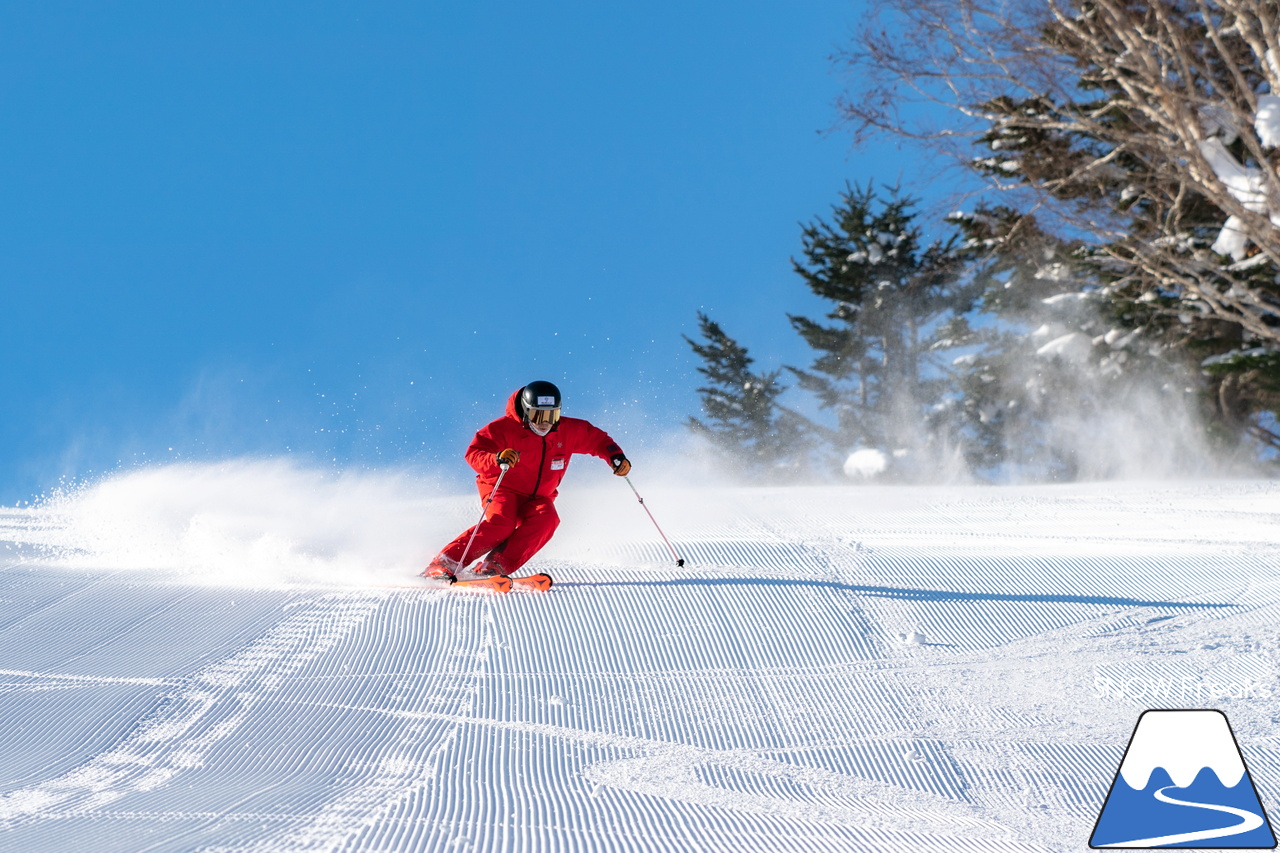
[762, 697]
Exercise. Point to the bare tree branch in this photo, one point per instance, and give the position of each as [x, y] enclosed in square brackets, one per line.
[1133, 122]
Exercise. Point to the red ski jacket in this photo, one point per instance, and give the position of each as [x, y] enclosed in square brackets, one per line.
[543, 459]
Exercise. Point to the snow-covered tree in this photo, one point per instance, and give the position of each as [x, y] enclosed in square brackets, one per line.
[879, 364]
[1051, 388]
[1149, 130]
[743, 416]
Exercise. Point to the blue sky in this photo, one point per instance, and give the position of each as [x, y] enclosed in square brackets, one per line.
[346, 231]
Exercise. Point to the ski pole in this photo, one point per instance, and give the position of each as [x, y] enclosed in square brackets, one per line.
[483, 512]
[679, 559]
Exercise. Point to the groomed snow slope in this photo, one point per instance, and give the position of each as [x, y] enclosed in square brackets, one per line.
[204, 659]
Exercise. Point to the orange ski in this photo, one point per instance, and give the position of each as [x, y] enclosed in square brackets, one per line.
[497, 583]
[534, 583]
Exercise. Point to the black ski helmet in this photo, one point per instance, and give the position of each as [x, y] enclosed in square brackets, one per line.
[540, 405]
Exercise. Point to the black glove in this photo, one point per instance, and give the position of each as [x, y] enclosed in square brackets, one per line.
[621, 467]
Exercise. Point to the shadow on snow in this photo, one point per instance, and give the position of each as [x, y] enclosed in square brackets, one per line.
[907, 593]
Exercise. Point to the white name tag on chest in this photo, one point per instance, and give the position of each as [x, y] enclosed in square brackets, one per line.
[557, 464]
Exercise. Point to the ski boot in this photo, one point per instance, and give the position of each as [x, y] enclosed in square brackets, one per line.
[489, 567]
[442, 569]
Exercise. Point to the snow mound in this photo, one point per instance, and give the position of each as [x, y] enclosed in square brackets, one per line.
[865, 463]
[243, 522]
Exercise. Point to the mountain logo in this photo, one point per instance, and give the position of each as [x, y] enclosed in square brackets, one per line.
[1183, 783]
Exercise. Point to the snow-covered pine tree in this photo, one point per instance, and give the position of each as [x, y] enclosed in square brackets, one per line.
[743, 416]
[997, 411]
[880, 359]
[1048, 371]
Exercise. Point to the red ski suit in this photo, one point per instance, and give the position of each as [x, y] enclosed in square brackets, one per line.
[522, 516]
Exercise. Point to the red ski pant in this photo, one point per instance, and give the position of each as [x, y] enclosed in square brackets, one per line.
[515, 527]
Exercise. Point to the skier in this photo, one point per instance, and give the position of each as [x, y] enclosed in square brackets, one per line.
[529, 448]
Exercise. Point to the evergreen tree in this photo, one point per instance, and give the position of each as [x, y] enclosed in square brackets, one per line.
[880, 363]
[1050, 370]
[744, 418]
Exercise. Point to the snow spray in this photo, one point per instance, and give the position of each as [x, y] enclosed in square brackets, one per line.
[255, 523]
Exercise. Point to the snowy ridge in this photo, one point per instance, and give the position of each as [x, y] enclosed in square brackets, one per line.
[761, 697]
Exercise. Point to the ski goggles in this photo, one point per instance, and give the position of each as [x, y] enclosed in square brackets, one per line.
[543, 417]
